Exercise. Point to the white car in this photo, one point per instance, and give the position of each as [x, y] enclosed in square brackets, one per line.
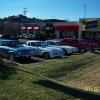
[67, 49]
[41, 48]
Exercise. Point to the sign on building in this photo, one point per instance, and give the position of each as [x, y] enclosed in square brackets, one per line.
[90, 23]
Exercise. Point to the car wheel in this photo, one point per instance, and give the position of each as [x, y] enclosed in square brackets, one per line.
[46, 55]
[82, 50]
[11, 57]
[30, 58]
[65, 52]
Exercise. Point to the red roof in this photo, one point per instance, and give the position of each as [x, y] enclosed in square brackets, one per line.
[67, 27]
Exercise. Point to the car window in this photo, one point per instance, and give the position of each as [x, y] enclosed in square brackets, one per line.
[73, 41]
[82, 42]
[58, 43]
[32, 44]
[43, 44]
[51, 43]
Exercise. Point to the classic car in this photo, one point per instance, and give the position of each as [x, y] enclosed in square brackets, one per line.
[41, 48]
[67, 49]
[10, 49]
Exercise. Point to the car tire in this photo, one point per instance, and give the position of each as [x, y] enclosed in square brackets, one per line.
[46, 55]
[29, 58]
[82, 50]
[65, 52]
[11, 56]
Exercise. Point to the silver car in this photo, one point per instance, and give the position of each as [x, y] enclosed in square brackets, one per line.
[43, 49]
[67, 49]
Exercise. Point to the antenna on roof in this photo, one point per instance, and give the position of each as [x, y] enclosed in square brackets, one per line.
[25, 11]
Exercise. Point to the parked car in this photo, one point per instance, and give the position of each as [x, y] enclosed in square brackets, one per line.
[67, 49]
[92, 43]
[81, 44]
[10, 49]
[43, 49]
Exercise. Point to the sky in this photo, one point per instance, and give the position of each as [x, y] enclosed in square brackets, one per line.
[51, 9]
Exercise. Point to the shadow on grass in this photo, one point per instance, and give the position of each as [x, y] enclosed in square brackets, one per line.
[6, 72]
[28, 61]
[69, 90]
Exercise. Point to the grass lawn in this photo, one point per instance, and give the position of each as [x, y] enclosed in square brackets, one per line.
[80, 71]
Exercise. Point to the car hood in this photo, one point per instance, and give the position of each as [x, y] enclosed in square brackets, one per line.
[21, 48]
[64, 46]
[50, 48]
[16, 48]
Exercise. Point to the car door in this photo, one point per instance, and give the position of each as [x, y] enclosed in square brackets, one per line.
[83, 44]
[39, 48]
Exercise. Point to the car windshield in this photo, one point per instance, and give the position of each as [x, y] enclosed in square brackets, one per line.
[82, 42]
[39, 44]
[42, 44]
[9, 43]
[55, 43]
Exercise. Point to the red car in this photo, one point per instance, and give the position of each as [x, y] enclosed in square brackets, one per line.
[92, 43]
[81, 44]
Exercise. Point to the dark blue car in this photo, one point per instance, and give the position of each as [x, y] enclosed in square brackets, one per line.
[11, 49]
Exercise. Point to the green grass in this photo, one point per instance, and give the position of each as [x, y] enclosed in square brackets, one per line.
[19, 85]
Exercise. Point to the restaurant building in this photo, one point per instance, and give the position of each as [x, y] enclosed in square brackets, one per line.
[63, 28]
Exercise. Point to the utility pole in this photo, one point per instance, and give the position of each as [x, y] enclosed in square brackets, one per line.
[81, 27]
[25, 11]
[85, 8]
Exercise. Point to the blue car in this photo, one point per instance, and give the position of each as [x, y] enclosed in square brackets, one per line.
[11, 49]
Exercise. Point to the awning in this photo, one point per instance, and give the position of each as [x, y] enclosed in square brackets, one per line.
[30, 27]
[23, 28]
[36, 27]
[67, 27]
